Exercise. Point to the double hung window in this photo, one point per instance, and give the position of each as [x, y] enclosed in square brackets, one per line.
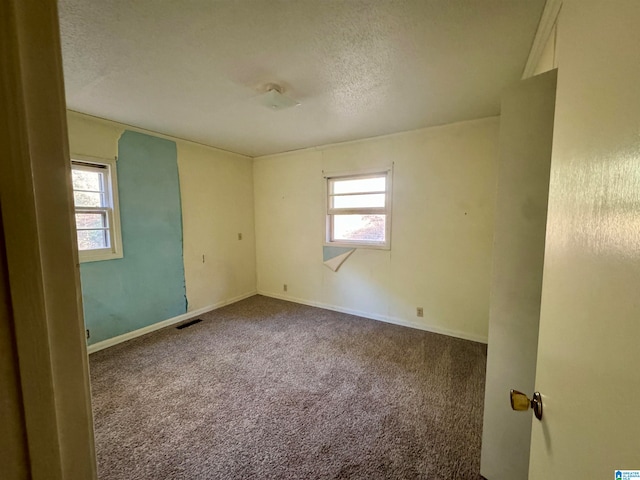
[359, 210]
[96, 209]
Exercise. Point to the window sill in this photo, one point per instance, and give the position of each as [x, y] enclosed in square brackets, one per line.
[98, 255]
[370, 246]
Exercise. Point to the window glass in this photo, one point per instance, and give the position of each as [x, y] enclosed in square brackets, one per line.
[92, 239]
[88, 180]
[357, 201]
[369, 228]
[355, 185]
[358, 210]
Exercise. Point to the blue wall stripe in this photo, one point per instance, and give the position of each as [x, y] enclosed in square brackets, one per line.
[147, 285]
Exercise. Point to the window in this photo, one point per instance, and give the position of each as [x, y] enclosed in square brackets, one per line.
[96, 209]
[359, 209]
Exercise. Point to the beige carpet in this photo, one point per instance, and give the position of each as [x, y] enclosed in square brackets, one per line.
[267, 389]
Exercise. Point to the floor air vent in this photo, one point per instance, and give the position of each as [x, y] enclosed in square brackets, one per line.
[188, 324]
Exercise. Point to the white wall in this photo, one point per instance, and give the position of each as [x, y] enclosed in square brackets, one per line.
[216, 190]
[442, 228]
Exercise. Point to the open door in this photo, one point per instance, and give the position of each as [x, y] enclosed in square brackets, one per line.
[589, 342]
[526, 130]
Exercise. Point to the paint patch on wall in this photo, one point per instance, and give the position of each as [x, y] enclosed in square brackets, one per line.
[334, 257]
[147, 285]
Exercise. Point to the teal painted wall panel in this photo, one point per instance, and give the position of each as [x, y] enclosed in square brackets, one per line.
[147, 285]
[331, 252]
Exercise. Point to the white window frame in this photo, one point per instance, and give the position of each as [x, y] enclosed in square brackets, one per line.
[386, 210]
[111, 210]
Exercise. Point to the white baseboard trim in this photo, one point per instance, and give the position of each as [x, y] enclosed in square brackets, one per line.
[381, 318]
[110, 342]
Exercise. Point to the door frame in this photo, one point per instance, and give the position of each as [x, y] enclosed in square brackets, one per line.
[40, 246]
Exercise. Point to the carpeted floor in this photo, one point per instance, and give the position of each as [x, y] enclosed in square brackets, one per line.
[267, 389]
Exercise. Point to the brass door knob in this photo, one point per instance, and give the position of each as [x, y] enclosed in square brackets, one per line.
[520, 402]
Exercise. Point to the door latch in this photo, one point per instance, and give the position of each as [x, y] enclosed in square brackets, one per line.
[520, 402]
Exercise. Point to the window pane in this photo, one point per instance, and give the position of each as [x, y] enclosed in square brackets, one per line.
[368, 228]
[92, 239]
[86, 199]
[374, 184]
[84, 180]
[91, 220]
[357, 201]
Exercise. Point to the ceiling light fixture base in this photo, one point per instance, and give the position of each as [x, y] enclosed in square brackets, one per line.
[274, 99]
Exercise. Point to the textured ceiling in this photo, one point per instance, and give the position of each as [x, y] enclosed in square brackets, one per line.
[193, 68]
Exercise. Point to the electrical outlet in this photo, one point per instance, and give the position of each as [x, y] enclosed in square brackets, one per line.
[239, 236]
[284, 287]
[420, 312]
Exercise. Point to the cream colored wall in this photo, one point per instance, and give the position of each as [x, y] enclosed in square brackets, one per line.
[442, 228]
[216, 190]
[93, 137]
